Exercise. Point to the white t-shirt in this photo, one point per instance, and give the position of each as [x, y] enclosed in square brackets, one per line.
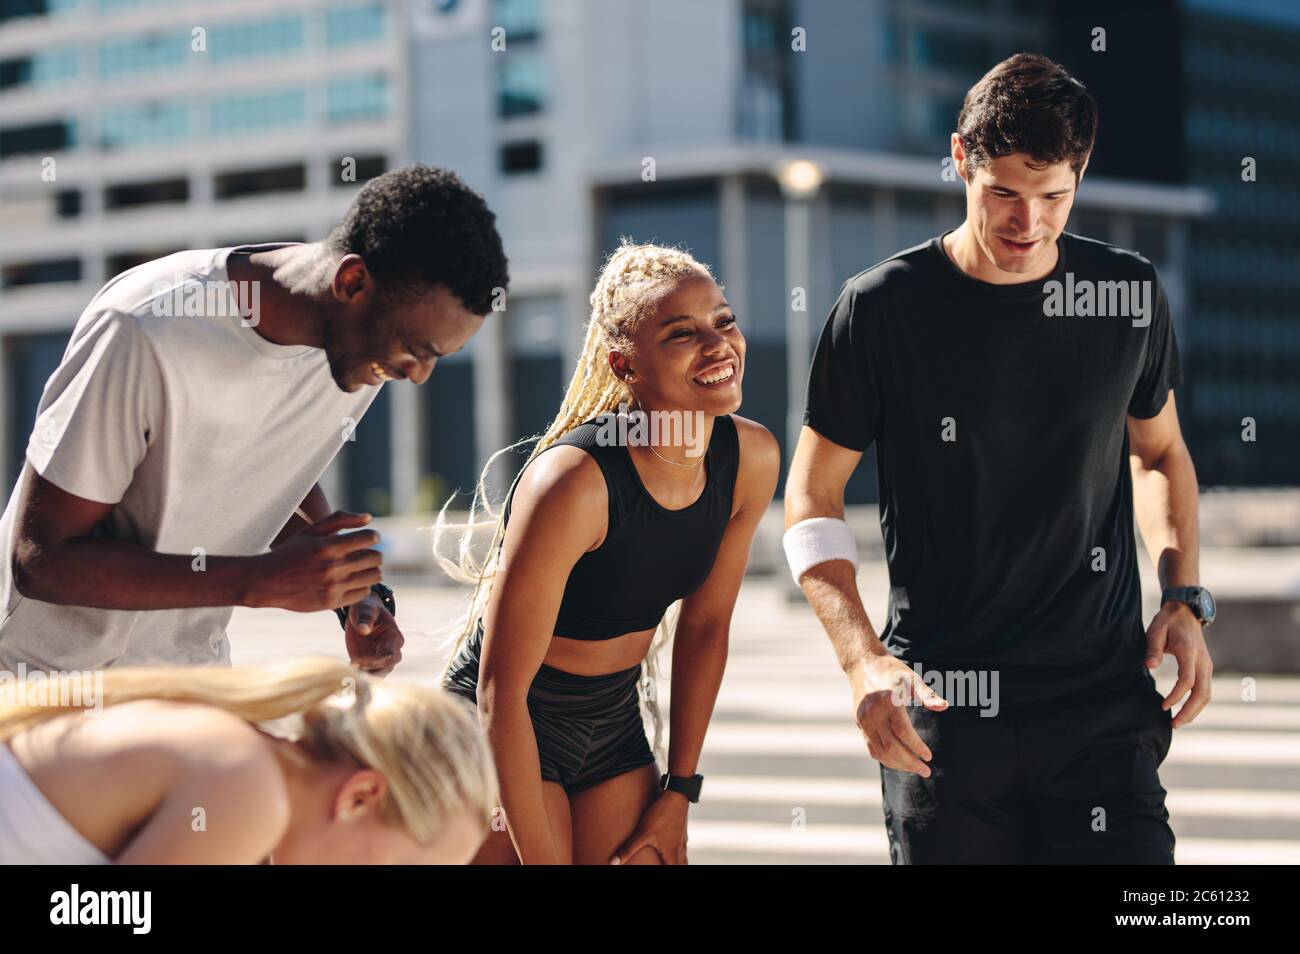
[203, 435]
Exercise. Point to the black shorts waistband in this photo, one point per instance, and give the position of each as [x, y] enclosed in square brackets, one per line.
[463, 675]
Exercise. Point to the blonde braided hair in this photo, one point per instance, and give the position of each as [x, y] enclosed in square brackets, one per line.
[626, 292]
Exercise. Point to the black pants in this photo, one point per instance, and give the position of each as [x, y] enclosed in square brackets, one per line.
[588, 728]
[1077, 784]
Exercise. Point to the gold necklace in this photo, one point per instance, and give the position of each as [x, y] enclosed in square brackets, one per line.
[673, 462]
[637, 407]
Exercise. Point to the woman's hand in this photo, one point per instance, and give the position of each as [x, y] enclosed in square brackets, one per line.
[662, 827]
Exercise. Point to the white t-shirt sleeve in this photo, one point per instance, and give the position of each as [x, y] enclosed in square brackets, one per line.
[99, 410]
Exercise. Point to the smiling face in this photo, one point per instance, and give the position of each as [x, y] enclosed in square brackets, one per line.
[687, 353]
[377, 336]
[1015, 210]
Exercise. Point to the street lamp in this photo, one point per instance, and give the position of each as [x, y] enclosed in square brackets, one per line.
[801, 180]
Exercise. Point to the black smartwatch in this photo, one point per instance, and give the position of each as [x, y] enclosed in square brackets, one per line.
[1197, 597]
[688, 785]
[385, 596]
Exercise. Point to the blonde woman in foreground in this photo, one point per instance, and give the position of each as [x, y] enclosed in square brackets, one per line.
[177, 769]
[606, 536]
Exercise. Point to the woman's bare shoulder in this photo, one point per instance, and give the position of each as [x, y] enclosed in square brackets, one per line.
[760, 462]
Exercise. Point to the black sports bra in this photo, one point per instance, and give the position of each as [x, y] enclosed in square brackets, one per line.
[651, 556]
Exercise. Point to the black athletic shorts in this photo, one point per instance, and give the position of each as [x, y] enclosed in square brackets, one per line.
[588, 728]
[1077, 784]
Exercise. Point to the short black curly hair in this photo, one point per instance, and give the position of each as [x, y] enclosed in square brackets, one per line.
[423, 224]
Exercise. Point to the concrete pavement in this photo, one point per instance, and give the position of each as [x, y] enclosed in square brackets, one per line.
[788, 778]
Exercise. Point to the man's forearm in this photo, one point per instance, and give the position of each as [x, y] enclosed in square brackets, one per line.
[1165, 503]
[832, 591]
[113, 574]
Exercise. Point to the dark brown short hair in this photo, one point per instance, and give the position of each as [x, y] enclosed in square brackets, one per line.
[1032, 105]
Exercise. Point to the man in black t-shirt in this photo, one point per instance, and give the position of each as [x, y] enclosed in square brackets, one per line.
[1008, 372]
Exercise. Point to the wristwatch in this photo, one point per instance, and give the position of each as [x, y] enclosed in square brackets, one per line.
[385, 596]
[1197, 597]
[688, 785]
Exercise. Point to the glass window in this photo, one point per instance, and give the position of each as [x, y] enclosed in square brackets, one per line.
[235, 115]
[521, 84]
[763, 101]
[38, 137]
[153, 51]
[113, 6]
[41, 69]
[345, 26]
[45, 272]
[239, 41]
[143, 124]
[67, 203]
[13, 9]
[54, 66]
[522, 19]
[523, 156]
[892, 42]
[363, 169]
[760, 31]
[356, 98]
[940, 49]
[126, 195]
[762, 115]
[239, 183]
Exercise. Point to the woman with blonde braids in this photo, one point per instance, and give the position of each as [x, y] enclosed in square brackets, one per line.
[606, 536]
[178, 766]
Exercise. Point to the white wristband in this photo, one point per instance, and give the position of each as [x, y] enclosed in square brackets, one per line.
[817, 540]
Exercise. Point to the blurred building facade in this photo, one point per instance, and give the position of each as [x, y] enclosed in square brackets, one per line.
[130, 129]
[580, 122]
[1242, 77]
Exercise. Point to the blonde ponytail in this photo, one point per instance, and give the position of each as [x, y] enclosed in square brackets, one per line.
[426, 743]
[625, 294]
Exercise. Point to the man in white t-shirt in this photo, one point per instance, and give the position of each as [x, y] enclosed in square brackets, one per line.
[200, 398]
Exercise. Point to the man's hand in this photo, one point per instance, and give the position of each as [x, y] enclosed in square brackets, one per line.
[884, 686]
[1177, 631]
[372, 638]
[318, 568]
[662, 827]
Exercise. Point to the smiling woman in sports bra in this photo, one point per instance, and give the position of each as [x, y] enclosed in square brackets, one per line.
[596, 541]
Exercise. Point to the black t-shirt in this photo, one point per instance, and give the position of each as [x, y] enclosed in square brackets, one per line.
[1002, 451]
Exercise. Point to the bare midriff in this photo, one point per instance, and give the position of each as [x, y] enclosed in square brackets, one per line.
[598, 657]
